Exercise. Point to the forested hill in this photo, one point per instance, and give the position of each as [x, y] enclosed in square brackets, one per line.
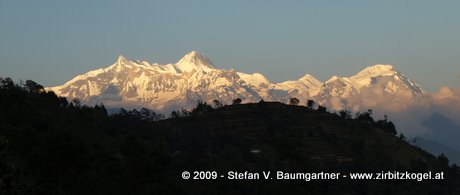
[51, 146]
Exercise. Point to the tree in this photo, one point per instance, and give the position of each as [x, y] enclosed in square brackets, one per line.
[217, 103]
[443, 160]
[310, 104]
[201, 107]
[294, 101]
[7, 83]
[174, 114]
[386, 125]
[147, 115]
[322, 109]
[185, 112]
[345, 114]
[33, 87]
[236, 101]
[135, 114]
[63, 102]
[76, 102]
[365, 116]
[123, 112]
[179, 113]
[402, 137]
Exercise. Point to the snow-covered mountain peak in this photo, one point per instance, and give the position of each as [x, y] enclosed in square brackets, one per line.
[122, 64]
[255, 79]
[310, 80]
[194, 60]
[139, 83]
[260, 77]
[307, 76]
[364, 77]
[334, 78]
[378, 70]
[121, 59]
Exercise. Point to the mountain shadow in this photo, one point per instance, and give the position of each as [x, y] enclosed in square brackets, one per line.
[443, 130]
[437, 148]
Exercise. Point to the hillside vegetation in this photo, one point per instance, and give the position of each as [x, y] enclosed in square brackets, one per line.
[51, 146]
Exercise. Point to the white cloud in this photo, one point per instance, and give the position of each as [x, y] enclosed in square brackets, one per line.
[408, 111]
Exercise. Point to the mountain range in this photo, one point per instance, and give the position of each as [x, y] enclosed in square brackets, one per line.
[165, 87]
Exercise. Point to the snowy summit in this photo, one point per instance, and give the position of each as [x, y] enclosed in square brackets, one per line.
[133, 83]
[194, 60]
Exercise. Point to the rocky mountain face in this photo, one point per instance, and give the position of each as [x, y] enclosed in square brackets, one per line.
[133, 83]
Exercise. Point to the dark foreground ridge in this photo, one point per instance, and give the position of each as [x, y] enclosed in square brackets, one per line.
[51, 146]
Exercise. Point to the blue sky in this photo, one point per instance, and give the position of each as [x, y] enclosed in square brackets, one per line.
[53, 41]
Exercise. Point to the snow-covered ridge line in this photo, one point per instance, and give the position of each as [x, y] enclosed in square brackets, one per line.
[194, 76]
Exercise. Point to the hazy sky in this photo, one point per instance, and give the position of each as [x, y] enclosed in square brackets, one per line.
[53, 41]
